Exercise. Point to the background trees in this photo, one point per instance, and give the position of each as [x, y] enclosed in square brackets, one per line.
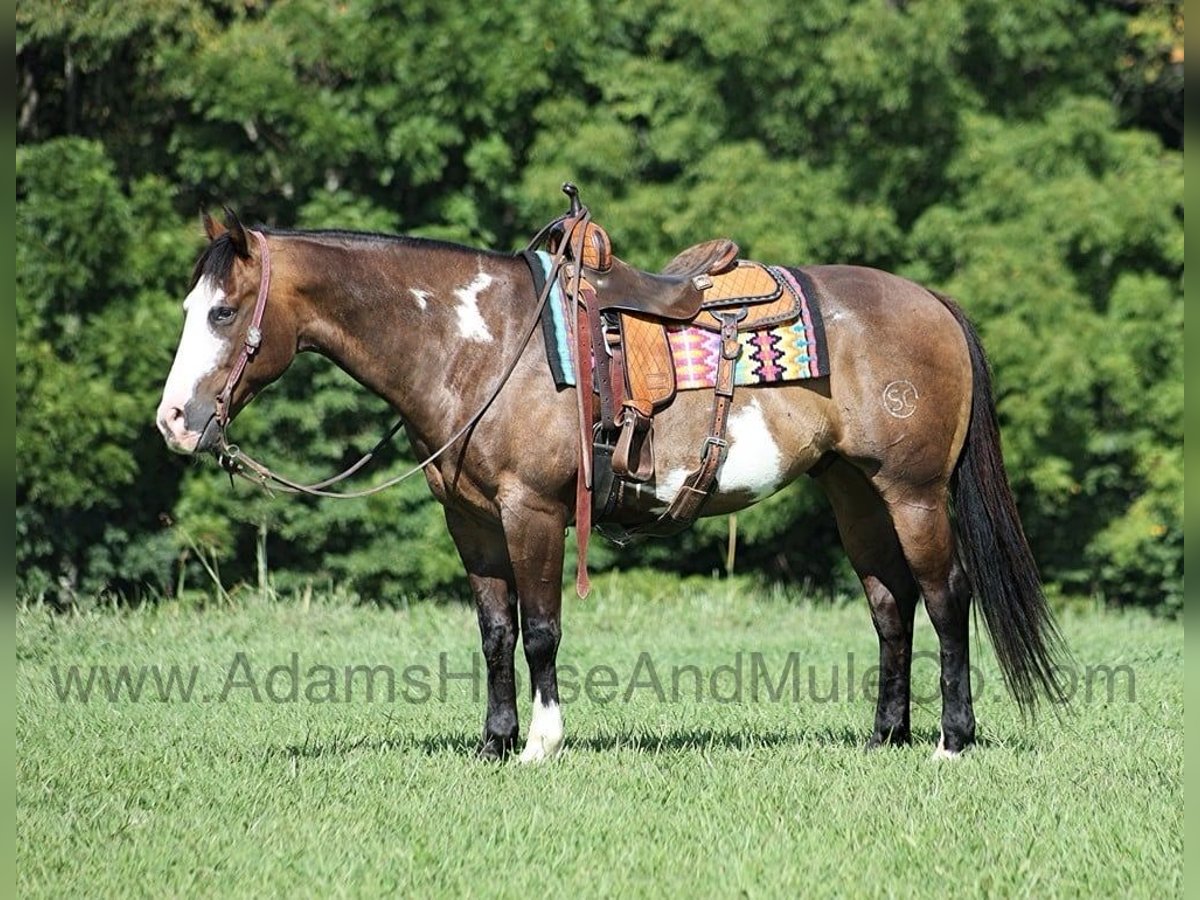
[1025, 156]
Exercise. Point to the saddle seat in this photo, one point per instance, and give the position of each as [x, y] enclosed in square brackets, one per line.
[692, 287]
[675, 294]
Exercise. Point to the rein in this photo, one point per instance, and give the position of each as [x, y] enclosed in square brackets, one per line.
[236, 462]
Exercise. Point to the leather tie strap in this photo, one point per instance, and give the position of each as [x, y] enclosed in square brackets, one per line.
[600, 355]
[583, 485]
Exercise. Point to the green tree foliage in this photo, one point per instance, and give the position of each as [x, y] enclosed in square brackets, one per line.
[1024, 155]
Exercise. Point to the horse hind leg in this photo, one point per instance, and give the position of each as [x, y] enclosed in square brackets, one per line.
[926, 535]
[874, 550]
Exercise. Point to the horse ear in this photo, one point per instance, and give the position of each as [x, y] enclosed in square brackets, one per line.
[237, 233]
[212, 228]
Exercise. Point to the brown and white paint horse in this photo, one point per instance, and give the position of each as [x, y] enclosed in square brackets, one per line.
[903, 427]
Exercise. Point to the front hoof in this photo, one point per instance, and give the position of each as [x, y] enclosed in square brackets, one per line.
[898, 737]
[540, 752]
[493, 749]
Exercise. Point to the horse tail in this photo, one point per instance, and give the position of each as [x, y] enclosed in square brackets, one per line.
[992, 545]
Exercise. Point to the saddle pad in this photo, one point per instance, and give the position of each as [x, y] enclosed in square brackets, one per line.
[791, 352]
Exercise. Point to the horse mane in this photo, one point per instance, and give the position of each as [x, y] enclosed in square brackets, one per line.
[216, 261]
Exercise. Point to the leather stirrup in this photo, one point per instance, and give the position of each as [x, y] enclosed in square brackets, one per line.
[633, 456]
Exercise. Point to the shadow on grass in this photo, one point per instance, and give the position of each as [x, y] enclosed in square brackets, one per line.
[689, 740]
[686, 740]
[699, 739]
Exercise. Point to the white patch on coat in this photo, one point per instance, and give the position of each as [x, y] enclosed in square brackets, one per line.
[668, 486]
[422, 297]
[545, 732]
[754, 463]
[201, 349]
[470, 321]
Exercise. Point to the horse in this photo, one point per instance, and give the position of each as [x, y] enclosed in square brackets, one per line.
[901, 435]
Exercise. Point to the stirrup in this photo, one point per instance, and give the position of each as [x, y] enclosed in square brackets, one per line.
[633, 456]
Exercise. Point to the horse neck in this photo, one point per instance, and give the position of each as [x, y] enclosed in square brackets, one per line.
[420, 323]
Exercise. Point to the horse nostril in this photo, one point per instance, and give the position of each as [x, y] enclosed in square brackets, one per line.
[170, 420]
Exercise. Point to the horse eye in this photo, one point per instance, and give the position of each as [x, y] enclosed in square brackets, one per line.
[222, 315]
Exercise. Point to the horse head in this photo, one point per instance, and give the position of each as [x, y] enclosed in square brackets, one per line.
[234, 342]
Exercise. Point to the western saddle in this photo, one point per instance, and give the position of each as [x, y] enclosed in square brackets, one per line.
[623, 351]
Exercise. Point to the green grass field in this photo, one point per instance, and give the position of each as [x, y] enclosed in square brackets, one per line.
[654, 794]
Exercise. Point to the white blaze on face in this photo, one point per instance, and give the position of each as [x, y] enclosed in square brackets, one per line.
[200, 348]
[470, 321]
[545, 732]
[200, 352]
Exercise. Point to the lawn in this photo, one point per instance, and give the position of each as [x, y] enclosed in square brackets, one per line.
[678, 774]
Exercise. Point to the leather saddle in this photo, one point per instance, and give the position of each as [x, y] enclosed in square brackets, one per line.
[691, 288]
[629, 312]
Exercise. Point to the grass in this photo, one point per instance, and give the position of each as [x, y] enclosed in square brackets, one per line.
[653, 795]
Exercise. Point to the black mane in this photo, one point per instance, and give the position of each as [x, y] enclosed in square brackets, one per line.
[216, 262]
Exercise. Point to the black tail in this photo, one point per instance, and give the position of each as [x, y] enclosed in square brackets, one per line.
[992, 545]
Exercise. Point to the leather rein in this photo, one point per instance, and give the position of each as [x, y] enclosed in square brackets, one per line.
[237, 462]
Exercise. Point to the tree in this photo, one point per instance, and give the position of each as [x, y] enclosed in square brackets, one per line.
[1021, 154]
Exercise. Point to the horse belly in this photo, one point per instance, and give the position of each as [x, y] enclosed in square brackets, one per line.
[775, 434]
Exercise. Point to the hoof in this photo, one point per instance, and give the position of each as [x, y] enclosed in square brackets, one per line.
[545, 732]
[540, 751]
[943, 752]
[887, 739]
[495, 749]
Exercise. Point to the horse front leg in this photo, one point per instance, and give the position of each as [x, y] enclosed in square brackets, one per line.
[536, 537]
[485, 556]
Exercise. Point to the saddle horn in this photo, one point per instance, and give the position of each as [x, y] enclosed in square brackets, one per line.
[572, 191]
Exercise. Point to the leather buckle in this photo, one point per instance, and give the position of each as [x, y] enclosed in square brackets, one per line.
[701, 282]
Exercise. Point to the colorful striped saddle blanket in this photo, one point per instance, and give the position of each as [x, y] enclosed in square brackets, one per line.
[792, 351]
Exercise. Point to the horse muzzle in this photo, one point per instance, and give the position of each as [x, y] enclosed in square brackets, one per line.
[187, 430]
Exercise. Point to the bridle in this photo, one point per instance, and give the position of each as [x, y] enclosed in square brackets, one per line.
[573, 224]
[253, 334]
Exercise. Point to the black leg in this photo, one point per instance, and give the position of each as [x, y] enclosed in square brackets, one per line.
[535, 545]
[949, 610]
[928, 540]
[893, 618]
[873, 547]
[485, 557]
